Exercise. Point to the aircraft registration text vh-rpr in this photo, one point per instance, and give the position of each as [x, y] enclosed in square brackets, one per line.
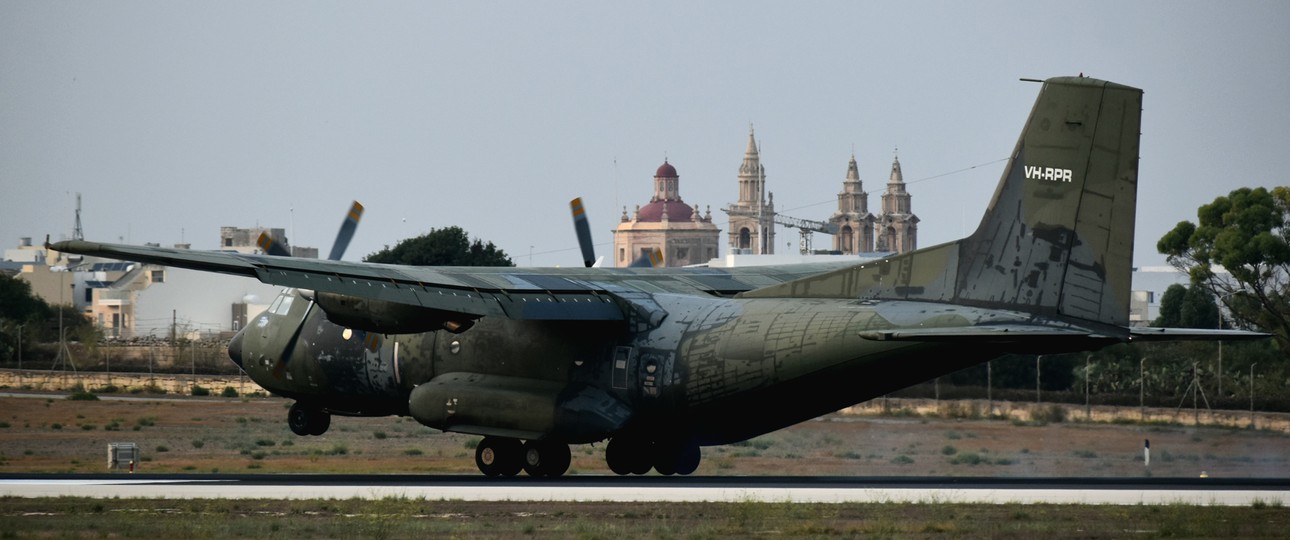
[663, 361]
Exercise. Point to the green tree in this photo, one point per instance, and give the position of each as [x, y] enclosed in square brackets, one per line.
[1247, 233]
[1187, 307]
[18, 304]
[448, 246]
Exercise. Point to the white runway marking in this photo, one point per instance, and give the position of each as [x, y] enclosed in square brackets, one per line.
[217, 489]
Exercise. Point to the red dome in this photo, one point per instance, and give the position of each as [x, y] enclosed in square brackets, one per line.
[676, 211]
[666, 170]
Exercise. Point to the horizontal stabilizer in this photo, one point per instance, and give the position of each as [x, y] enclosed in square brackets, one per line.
[980, 334]
[1192, 334]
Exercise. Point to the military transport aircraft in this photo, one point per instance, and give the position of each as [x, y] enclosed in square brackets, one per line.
[663, 361]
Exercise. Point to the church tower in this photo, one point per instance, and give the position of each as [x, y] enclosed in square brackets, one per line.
[896, 230]
[855, 223]
[752, 218]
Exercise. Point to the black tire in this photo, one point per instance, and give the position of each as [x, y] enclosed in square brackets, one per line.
[665, 457]
[307, 420]
[620, 455]
[498, 456]
[535, 458]
[320, 421]
[558, 464]
[546, 458]
[688, 460]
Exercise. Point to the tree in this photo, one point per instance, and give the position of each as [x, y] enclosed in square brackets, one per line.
[448, 246]
[18, 303]
[1187, 307]
[1247, 233]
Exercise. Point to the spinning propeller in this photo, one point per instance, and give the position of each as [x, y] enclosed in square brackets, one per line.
[346, 233]
[651, 258]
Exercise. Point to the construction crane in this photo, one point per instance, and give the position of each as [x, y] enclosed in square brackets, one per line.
[806, 228]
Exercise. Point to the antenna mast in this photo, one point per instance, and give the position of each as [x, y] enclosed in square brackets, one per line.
[77, 232]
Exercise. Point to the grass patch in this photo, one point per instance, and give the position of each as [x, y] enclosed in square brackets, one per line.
[413, 518]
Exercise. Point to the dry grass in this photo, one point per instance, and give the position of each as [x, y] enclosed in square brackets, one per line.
[52, 434]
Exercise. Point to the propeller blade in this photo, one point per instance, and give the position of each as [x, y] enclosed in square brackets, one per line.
[343, 237]
[281, 366]
[271, 246]
[346, 233]
[583, 231]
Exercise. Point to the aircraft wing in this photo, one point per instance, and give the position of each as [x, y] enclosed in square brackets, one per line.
[514, 293]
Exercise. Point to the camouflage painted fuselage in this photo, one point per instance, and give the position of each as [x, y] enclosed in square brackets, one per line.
[713, 370]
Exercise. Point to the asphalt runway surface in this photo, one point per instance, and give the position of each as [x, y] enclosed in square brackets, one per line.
[926, 490]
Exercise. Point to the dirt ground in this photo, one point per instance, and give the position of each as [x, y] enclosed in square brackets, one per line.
[49, 433]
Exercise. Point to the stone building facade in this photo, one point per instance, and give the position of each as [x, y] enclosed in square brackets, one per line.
[668, 224]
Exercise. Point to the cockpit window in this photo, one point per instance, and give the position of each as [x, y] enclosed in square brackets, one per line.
[273, 308]
[285, 305]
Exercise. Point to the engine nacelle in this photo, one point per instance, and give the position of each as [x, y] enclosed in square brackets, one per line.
[517, 407]
[386, 317]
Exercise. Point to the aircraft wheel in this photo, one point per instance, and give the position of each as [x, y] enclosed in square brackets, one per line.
[307, 420]
[688, 459]
[666, 457]
[499, 456]
[546, 458]
[625, 455]
[319, 423]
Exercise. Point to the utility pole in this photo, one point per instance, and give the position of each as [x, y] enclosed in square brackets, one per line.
[1037, 391]
[1142, 389]
[1088, 408]
[1252, 394]
[989, 389]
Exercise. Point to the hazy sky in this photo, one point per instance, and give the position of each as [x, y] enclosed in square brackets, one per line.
[175, 118]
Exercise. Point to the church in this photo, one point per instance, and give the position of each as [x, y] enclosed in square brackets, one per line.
[684, 237]
[666, 224]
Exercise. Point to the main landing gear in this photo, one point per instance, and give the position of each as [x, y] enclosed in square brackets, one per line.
[627, 454]
[307, 419]
[501, 456]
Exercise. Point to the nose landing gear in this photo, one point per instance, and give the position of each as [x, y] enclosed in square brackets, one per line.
[307, 419]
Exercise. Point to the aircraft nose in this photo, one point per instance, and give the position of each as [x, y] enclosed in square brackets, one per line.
[235, 348]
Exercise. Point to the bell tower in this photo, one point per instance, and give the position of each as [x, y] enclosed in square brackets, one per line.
[896, 230]
[752, 218]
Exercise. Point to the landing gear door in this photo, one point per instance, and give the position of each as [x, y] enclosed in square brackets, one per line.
[623, 359]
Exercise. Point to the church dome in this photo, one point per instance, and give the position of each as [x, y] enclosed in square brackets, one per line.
[666, 170]
[676, 210]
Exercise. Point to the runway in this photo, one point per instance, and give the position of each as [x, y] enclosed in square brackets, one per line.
[924, 490]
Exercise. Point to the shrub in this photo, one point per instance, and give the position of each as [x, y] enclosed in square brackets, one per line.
[949, 450]
[229, 391]
[199, 390]
[82, 395]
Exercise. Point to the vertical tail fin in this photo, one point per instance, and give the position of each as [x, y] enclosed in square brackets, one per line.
[1056, 240]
